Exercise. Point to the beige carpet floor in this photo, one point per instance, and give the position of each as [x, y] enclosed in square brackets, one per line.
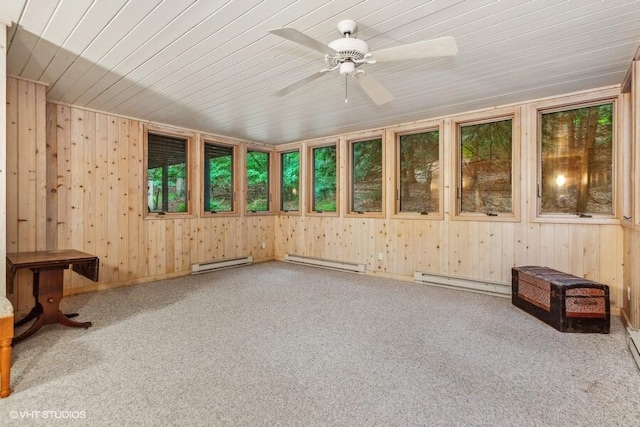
[282, 344]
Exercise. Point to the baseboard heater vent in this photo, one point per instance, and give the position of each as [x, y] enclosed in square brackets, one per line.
[217, 265]
[633, 341]
[325, 263]
[493, 288]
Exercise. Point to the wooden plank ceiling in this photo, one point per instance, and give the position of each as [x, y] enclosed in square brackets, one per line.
[212, 65]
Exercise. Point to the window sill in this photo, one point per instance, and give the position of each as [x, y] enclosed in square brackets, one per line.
[289, 213]
[327, 214]
[259, 213]
[574, 219]
[154, 216]
[481, 217]
[376, 215]
[218, 214]
[418, 216]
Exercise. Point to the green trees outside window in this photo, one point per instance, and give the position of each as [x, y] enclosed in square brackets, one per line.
[290, 181]
[218, 178]
[257, 181]
[486, 167]
[577, 160]
[324, 198]
[166, 173]
[366, 176]
[419, 172]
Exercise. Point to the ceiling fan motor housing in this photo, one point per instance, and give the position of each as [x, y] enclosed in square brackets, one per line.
[349, 50]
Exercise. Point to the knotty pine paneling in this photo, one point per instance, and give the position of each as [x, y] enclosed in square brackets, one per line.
[473, 250]
[3, 147]
[86, 193]
[482, 249]
[631, 253]
[26, 222]
[99, 207]
[631, 240]
[75, 181]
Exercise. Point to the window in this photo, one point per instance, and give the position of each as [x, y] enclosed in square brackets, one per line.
[576, 153]
[366, 176]
[218, 178]
[167, 183]
[324, 179]
[290, 181]
[257, 181]
[486, 167]
[419, 172]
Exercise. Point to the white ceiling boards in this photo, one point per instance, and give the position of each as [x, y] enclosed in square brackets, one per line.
[214, 66]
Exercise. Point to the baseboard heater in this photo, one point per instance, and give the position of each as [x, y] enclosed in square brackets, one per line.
[633, 341]
[325, 263]
[493, 288]
[217, 265]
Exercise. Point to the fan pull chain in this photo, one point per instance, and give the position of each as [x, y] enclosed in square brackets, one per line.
[346, 99]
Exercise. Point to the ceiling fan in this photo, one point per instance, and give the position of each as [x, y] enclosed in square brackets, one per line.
[348, 54]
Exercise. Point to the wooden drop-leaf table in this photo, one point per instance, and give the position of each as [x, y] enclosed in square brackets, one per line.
[48, 280]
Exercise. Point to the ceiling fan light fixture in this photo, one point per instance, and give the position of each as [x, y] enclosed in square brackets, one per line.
[347, 67]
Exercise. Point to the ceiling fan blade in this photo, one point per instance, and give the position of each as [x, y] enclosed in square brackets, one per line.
[444, 46]
[296, 85]
[374, 89]
[303, 39]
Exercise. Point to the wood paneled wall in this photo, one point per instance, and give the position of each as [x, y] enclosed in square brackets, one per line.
[631, 282]
[466, 249]
[26, 178]
[75, 181]
[482, 249]
[3, 147]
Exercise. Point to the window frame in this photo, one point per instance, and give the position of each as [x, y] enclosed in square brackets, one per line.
[626, 152]
[234, 176]
[350, 141]
[270, 199]
[310, 177]
[191, 171]
[565, 104]
[396, 133]
[280, 181]
[634, 88]
[497, 115]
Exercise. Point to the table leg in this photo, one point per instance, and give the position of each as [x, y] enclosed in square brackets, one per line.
[34, 313]
[47, 288]
[64, 319]
[32, 330]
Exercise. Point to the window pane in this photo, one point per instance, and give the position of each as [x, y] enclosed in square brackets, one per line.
[366, 176]
[419, 172]
[324, 179]
[166, 173]
[257, 181]
[577, 159]
[218, 178]
[486, 160]
[289, 192]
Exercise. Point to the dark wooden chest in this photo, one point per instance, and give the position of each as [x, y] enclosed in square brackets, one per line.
[566, 302]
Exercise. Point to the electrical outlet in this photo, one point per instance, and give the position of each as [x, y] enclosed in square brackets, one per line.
[380, 256]
[263, 245]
